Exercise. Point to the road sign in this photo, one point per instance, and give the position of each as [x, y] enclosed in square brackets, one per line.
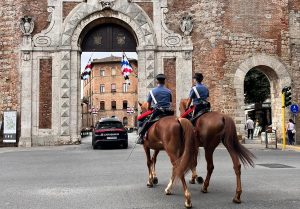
[294, 108]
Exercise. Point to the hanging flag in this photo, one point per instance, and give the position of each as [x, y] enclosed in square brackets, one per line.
[126, 68]
[87, 70]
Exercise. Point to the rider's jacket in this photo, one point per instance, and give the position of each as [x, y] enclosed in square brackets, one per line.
[202, 91]
[162, 97]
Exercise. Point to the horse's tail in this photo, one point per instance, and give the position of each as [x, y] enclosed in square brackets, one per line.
[230, 140]
[188, 159]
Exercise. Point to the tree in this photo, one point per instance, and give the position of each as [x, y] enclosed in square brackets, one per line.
[257, 87]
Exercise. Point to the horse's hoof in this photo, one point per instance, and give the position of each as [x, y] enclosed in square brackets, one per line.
[199, 180]
[236, 200]
[155, 180]
[188, 205]
[203, 190]
[149, 185]
[192, 181]
[168, 192]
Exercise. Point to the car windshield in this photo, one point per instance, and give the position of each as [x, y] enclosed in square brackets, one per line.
[109, 124]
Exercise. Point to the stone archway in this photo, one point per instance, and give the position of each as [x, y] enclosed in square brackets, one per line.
[278, 76]
[58, 50]
[78, 20]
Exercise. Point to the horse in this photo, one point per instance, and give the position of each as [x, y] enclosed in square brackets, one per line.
[212, 128]
[176, 137]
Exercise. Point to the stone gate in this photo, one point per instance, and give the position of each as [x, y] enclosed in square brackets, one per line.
[50, 98]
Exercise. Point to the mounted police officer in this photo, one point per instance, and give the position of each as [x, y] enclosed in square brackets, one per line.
[159, 99]
[198, 95]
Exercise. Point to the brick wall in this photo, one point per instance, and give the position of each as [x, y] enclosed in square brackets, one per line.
[225, 33]
[9, 41]
[45, 101]
[68, 7]
[170, 72]
[11, 12]
[38, 10]
[147, 7]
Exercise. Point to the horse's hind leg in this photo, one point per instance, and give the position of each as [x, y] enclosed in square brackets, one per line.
[187, 194]
[237, 170]
[170, 185]
[210, 168]
[154, 157]
[194, 176]
[149, 164]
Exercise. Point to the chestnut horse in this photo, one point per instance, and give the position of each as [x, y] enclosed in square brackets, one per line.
[176, 137]
[212, 128]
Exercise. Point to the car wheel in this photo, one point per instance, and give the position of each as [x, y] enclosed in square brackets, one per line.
[94, 147]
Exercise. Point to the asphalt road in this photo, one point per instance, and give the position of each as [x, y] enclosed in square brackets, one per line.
[78, 177]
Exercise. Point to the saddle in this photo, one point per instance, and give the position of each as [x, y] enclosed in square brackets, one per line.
[204, 108]
[163, 113]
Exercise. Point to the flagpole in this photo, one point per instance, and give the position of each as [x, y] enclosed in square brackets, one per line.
[91, 98]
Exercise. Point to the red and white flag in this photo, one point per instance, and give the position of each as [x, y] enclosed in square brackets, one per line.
[126, 69]
[87, 70]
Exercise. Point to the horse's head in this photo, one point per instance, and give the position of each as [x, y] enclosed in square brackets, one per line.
[183, 105]
[143, 106]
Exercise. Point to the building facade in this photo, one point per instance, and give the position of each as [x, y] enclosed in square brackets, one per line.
[108, 95]
[41, 43]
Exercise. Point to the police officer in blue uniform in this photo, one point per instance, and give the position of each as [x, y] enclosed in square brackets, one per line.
[159, 99]
[198, 94]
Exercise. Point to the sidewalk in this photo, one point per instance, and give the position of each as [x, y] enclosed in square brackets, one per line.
[256, 142]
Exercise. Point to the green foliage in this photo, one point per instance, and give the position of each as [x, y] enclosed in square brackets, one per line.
[256, 87]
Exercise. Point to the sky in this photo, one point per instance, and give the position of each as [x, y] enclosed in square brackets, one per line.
[85, 56]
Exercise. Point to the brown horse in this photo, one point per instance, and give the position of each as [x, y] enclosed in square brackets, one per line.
[176, 137]
[212, 128]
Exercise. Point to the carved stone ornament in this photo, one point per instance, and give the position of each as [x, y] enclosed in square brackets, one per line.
[188, 55]
[50, 10]
[27, 25]
[26, 55]
[186, 24]
[121, 39]
[106, 4]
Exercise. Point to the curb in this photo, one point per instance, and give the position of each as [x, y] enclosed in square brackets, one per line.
[290, 147]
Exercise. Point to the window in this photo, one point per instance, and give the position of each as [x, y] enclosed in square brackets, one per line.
[113, 87]
[125, 87]
[125, 105]
[113, 105]
[102, 105]
[113, 71]
[102, 72]
[125, 121]
[102, 88]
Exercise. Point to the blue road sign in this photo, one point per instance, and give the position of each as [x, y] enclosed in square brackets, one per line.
[294, 108]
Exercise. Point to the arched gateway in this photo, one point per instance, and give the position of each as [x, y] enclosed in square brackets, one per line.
[50, 97]
[278, 76]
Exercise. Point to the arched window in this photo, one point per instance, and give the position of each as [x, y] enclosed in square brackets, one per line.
[125, 105]
[125, 121]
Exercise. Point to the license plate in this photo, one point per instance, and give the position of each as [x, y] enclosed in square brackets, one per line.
[111, 137]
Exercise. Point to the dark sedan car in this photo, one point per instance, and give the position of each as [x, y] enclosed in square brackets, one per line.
[109, 131]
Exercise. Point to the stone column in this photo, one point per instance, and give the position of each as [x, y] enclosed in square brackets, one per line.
[26, 26]
[26, 97]
[75, 96]
[184, 71]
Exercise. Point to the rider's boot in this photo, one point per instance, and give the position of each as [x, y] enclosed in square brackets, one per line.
[142, 133]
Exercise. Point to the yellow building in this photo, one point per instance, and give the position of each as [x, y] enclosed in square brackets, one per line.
[106, 94]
